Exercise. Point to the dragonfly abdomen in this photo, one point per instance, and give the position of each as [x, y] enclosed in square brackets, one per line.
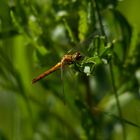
[54, 68]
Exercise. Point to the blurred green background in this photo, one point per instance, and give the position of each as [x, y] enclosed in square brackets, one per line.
[34, 35]
[130, 9]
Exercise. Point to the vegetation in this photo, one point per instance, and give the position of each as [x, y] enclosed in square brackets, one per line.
[96, 97]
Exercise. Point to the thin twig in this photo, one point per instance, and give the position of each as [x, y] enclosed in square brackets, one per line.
[99, 18]
[117, 100]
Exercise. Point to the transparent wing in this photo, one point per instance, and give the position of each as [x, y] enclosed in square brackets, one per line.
[82, 46]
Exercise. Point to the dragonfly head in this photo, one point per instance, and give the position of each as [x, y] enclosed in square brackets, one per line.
[77, 56]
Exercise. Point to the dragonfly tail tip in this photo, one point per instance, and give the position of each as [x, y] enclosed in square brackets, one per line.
[33, 81]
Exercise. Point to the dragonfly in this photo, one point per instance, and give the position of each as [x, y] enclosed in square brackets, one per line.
[66, 60]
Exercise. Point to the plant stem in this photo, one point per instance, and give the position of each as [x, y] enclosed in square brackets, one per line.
[117, 100]
[99, 19]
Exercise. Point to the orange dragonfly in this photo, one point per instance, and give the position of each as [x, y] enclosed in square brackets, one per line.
[66, 59]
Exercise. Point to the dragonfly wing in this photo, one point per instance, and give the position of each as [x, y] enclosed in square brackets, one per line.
[62, 79]
[84, 45]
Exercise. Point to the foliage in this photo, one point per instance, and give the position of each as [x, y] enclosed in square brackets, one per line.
[101, 90]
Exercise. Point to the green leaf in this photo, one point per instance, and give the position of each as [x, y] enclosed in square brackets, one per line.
[83, 25]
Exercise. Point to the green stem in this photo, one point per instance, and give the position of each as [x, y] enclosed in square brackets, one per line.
[99, 19]
[117, 100]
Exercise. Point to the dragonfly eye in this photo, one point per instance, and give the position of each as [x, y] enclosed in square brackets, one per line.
[78, 56]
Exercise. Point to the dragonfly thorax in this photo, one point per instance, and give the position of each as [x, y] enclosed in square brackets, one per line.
[76, 56]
